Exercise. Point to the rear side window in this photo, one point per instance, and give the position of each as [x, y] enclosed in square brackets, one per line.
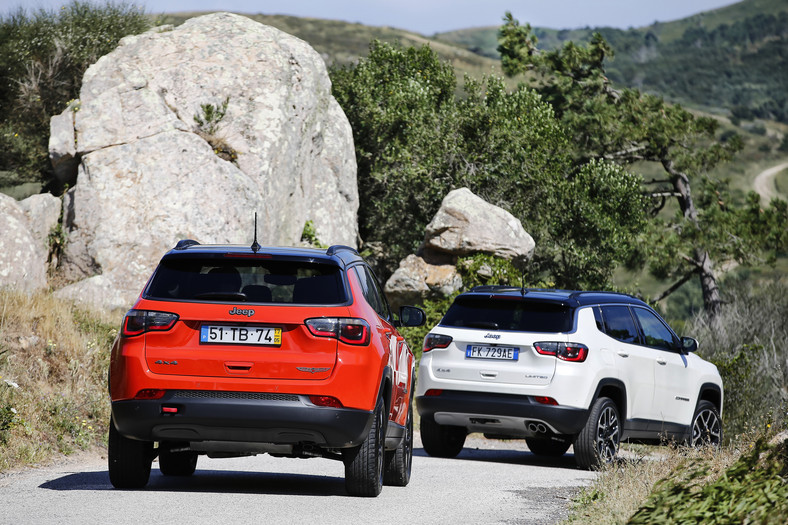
[372, 292]
[508, 314]
[619, 323]
[655, 332]
[247, 280]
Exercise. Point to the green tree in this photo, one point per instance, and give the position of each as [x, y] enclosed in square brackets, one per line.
[43, 56]
[627, 126]
[415, 141]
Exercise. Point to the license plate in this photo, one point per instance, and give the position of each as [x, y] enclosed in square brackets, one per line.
[240, 335]
[510, 353]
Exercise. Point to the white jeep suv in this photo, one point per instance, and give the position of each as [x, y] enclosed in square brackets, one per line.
[562, 368]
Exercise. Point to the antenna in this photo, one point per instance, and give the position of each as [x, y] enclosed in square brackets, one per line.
[522, 282]
[255, 246]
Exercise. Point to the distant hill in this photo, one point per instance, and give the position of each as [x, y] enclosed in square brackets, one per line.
[735, 57]
[342, 43]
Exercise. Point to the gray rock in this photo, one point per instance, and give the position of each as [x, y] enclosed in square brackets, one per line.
[43, 212]
[21, 264]
[467, 224]
[149, 175]
[416, 280]
[62, 145]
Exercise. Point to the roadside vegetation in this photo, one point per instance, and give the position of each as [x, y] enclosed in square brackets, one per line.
[53, 374]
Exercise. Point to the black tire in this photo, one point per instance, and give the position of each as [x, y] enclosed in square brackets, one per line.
[128, 460]
[706, 426]
[551, 446]
[364, 464]
[398, 462]
[598, 442]
[441, 441]
[171, 463]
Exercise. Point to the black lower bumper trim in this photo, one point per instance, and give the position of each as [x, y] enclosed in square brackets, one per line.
[246, 419]
[566, 420]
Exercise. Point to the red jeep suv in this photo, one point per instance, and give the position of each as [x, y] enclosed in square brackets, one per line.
[233, 351]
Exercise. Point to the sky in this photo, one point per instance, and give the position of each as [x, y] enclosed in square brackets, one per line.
[432, 16]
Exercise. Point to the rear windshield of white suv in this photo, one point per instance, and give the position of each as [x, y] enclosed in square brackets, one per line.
[508, 313]
[247, 280]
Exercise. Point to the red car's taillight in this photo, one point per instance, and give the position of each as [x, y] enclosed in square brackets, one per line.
[575, 352]
[436, 341]
[138, 322]
[346, 329]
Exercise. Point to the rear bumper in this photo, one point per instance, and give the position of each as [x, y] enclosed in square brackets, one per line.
[522, 409]
[241, 417]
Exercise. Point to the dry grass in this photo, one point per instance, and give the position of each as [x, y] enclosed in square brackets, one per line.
[622, 488]
[53, 365]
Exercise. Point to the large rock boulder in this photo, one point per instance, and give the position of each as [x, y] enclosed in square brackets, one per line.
[416, 280]
[23, 253]
[150, 175]
[467, 224]
[464, 225]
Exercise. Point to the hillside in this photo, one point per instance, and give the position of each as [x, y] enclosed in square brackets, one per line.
[734, 58]
[341, 43]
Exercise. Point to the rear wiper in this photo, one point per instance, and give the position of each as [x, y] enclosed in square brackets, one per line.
[482, 324]
[218, 296]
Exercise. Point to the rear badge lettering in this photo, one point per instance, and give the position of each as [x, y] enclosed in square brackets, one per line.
[311, 370]
[238, 311]
[160, 362]
[492, 336]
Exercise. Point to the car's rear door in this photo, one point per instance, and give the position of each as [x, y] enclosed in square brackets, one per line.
[674, 393]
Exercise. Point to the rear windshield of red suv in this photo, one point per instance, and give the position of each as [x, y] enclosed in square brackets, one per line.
[247, 280]
[505, 313]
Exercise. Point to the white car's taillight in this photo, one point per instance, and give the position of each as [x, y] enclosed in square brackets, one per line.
[575, 352]
[436, 341]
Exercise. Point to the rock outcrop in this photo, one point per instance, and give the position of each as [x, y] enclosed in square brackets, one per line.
[24, 229]
[464, 225]
[272, 140]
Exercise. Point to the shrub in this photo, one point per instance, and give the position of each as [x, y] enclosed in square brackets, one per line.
[752, 490]
[746, 343]
[43, 55]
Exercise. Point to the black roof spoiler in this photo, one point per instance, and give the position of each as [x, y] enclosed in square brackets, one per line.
[185, 243]
[340, 247]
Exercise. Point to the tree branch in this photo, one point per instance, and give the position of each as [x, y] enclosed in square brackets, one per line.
[676, 286]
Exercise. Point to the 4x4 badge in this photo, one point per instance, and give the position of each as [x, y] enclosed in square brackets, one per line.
[312, 370]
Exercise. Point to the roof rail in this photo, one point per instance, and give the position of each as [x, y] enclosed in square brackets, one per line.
[185, 243]
[490, 288]
[340, 247]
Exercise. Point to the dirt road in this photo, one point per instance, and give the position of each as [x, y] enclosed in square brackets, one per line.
[764, 182]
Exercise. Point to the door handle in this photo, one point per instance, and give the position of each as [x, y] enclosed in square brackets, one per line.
[662, 361]
[623, 354]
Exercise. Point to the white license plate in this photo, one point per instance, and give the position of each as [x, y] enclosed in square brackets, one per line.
[240, 335]
[510, 353]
